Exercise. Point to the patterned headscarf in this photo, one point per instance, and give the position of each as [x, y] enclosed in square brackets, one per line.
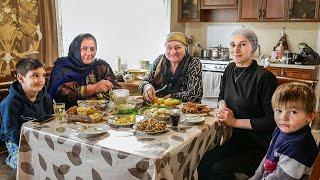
[249, 34]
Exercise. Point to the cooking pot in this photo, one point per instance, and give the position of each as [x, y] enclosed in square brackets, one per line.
[219, 52]
[214, 51]
[205, 53]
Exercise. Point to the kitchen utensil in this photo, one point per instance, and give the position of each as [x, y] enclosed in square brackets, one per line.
[161, 89]
[204, 52]
[214, 51]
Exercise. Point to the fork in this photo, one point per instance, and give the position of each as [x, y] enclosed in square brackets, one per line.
[161, 89]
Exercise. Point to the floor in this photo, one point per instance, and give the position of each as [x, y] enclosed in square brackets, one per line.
[6, 173]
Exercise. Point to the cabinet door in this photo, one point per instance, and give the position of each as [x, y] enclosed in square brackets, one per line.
[189, 10]
[275, 70]
[249, 10]
[274, 10]
[303, 10]
[218, 4]
[306, 74]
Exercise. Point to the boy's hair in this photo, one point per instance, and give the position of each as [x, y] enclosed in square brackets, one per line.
[28, 64]
[296, 93]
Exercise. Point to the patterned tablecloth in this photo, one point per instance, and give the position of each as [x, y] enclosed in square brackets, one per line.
[117, 154]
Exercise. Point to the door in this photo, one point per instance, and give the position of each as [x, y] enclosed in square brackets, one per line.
[211, 84]
[249, 10]
[189, 10]
[274, 10]
[303, 10]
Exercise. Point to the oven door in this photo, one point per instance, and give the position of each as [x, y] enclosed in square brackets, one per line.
[211, 84]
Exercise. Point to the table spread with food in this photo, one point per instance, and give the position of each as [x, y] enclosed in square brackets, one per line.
[99, 139]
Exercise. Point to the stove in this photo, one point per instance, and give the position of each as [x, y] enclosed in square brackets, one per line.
[212, 71]
[215, 65]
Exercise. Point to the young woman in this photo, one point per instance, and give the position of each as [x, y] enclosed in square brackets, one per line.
[246, 89]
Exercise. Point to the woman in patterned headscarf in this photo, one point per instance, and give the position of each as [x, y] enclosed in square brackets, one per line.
[245, 92]
[80, 75]
[176, 73]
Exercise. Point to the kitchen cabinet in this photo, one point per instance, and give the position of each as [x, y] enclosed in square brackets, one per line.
[285, 74]
[218, 4]
[189, 10]
[303, 10]
[262, 10]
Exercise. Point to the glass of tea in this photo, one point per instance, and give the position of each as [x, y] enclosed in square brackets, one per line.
[59, 110]
[175, 117]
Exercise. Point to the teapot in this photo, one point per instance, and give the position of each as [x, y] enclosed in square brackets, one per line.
[128, 78]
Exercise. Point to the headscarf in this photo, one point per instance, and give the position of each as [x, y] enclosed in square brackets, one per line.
[177, 36]
[250, 35]
[71, 68]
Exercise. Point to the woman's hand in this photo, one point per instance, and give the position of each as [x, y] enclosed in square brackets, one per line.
[149, 93]
[226, 116]
[103, 86]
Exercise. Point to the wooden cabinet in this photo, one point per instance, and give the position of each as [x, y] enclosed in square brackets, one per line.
[303, 10]
[218, 4]
[189, 10]
[262, 10]
[284, 75]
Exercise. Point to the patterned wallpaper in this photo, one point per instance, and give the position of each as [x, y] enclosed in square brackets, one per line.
[20, 33]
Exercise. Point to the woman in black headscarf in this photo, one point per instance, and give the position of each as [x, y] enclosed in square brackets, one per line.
[80, 75]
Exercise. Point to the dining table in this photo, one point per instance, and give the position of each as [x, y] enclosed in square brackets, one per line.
[60, 150]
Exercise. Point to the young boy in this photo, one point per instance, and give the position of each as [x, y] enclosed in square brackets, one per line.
[293, 149]
[27, 99]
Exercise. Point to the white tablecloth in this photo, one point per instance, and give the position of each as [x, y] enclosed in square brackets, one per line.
[117, 154]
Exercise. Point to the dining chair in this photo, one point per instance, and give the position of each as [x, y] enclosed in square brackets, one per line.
[315, 174]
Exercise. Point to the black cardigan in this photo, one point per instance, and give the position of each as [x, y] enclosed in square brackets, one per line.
[250, 98]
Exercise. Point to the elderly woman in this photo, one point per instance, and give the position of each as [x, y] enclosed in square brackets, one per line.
[246, 89]
[175, 74]
[80, 75]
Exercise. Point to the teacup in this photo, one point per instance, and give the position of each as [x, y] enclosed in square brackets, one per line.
[128, 78]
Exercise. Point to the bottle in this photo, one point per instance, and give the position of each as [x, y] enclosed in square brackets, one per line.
[119, 64]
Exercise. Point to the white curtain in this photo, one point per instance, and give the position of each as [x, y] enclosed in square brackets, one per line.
[131, 29]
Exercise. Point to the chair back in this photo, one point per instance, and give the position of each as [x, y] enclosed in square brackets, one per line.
[315, 174]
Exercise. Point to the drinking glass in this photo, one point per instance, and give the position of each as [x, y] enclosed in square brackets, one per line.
[59, 112]
[175, 117]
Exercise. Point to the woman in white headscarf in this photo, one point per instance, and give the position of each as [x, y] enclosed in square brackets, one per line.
[246, 89]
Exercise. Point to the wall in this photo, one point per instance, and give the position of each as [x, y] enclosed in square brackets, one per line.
[268, 33]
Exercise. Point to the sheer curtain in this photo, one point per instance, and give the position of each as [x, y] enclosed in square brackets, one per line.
[133, 30]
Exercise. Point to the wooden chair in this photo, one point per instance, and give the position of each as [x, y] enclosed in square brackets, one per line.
[3, 94]
[315, 174]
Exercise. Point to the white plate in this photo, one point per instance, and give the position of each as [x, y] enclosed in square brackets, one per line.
[195, 120]
[92, 130]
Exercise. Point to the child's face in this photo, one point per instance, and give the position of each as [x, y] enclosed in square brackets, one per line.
[33, 81]
[291, 118]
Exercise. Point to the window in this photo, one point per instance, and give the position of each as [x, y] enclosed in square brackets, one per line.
[132, 30]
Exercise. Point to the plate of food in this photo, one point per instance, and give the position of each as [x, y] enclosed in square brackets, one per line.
[151, 126]
[194, 108]
[99, 105]
[93, 130]
[159, 113]
[122, 120]
[84, 115]
[166, 102]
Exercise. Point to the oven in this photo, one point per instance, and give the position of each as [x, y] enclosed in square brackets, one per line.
[212, 71]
